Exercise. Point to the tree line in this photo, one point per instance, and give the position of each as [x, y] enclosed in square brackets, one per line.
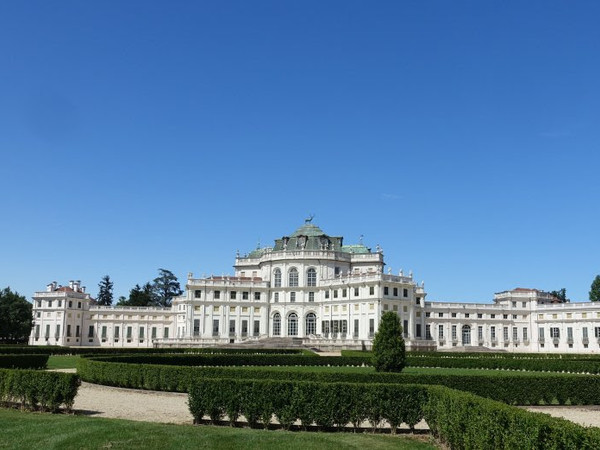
[158, 292]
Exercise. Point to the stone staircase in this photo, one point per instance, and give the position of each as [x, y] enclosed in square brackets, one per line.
[270, 342]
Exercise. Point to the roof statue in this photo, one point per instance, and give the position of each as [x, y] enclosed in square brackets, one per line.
[309, 219]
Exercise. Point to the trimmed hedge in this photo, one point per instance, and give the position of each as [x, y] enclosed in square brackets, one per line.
[14, 361]
[512, 387]
[57, 350]
[238, 360]
[534, 364]
[459, 420]
[325, 405]
[38, 389]
[465, 421]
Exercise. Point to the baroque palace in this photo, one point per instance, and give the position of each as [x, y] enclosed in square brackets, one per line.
[311, 289]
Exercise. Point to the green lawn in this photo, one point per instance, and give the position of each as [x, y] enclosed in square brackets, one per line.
[62, 361]
[36, 430]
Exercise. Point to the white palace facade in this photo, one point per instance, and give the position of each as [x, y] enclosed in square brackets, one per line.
[310, 289]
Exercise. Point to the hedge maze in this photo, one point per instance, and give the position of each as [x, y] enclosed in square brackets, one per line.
[299, 390]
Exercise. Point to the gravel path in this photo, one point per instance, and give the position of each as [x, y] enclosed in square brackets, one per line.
[170, 407]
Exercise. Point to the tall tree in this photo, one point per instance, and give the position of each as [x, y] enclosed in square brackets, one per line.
[595, 290]
[139, 296]
[389, 352]
[561, 294]
[166, 287]
[15, 317]
[105, 294]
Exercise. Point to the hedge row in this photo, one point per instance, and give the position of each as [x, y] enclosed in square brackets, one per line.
[322, 404]
[465, 421]
[533, 364]
[13, 361]
[485, 355]
[57, 350]
[512, 388]
[538, 365]
[38, 389]
[239, 360]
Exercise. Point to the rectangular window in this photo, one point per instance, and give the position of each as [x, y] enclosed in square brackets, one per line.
[371, 326]
[395, 292]
[217, 294]
[515, 333]
[77, 331]
[37, 332]
[197, 293]
[196, 327]
[440, 331]
[356, 327]
[570, 333]
[405, 293]
[245, 295]
[418, 330]
[232, 326]
[335, 293]
[356, 292]
[597, 332]
[525, 334]
[386, 290]
[49, 303]
[215, 330]
[104, 329]
[493, 333]
[57, 335]
[79, 304]
[440, 314]
[554, 332]
[371, 290]
[505, 316]
[68, 330]
[541, 334]
[141, 333]
[257, 296]
[129, 332]
[453, 314]
[524, 304]
[493, 316]
[505, 334]
[47, 335]
[276, 297]
[428, 332]
[232, 295]
[467, 315]
[311, 296]
[292, 297]
[244, 327]
[326, 294]
[166, 333]
[480, 333]
[584, 332]
[344, 292]
[454, 338]
[116, 335]
[479, 316]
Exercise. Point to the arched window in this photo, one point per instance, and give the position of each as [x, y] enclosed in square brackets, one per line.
[311, 324]
[292, 324]
[311, 277]
[276, 324]
[466, 335]
[293, 277]
[277, 278]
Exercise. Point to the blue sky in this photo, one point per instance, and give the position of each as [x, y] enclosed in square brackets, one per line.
[463, 137]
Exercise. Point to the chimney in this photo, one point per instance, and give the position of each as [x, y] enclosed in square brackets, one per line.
[83, 289]
[72, 284]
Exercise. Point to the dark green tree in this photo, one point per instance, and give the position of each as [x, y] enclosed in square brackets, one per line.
[389, 352]
[15, 317]
[166, 286]
[561, 294]
[105, 293]
[595, 290]
[139, 296]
